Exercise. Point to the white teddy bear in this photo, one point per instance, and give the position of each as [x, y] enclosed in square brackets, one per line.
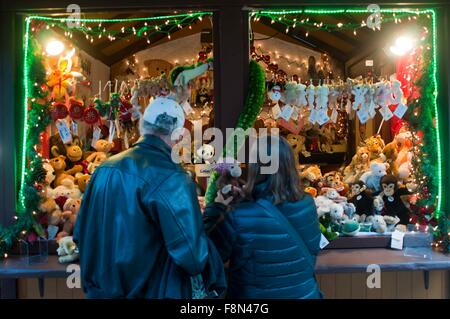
[301, 95]
[372, 178]
[311, 92]
[67, 250]
[359, 91]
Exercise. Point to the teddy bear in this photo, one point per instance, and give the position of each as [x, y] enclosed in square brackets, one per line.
[301, 95]
[373, 177]
[358, 165]
[389, 155]
[358, 90]
[378, 223]
[73, 151]
[69, 214]
[229, 182]
[404, 157]
[63, 192]
[322, 92]
[333, 179]
[375, 144]
[59, 166]
[290, 93]
[298, 146]
[50, 173]
[204, 153]
[53, 211]
[82, 181]
[310, 93]
[67, 250]
[332, 194]
[95, 159]
[311, 176]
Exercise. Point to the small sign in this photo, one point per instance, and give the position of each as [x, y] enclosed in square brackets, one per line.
[64, 131]
[323, 242]
[203, 170]
[322, 117]
[187, 108]
[74, 128]
[286, 112]
[400, 110]
[313, 116]
[334, 116]
[397, 240]
[369, 62]
[276, 111]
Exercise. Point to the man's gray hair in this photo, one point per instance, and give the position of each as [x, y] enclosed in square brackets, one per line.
[164, 125]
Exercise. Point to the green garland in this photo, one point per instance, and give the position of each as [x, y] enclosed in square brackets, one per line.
[421, 117]
[27, 218]
[252, 107]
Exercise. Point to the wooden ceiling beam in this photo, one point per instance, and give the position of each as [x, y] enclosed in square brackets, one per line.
[310, 41]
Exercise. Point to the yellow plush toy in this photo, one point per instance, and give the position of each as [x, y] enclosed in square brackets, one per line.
[358, 165]
[375, 144]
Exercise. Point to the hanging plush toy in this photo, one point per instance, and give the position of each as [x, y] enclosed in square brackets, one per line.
[310, 93]
[275, 94]
[322, 96]
[391, 195]
[291, 93]
[229, 182]
[358, 90]
[301, 95]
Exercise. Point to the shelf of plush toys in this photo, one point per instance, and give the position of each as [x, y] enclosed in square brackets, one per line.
[369, 197]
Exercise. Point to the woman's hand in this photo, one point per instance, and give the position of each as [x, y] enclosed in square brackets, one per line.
[220, 199]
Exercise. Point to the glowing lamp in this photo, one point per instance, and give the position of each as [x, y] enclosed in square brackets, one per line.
[54, 47]
[402, 46]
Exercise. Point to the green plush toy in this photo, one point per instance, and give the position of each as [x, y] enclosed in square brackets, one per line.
[325, 228]
[350, 228]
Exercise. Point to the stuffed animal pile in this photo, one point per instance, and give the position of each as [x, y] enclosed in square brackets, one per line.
[372, 191]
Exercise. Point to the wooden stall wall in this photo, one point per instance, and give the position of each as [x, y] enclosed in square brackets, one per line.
[394, 285]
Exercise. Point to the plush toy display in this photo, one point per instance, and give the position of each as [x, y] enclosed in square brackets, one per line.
[372, 178]
[358, 165]
[361, 198]
[59, 166]
[391, 195]
[67, 250]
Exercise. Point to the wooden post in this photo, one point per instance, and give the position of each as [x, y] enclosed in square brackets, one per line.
[231, 60]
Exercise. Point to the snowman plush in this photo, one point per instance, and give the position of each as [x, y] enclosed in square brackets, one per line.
[275, 94]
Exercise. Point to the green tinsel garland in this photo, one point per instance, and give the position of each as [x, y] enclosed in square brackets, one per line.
[252, 107]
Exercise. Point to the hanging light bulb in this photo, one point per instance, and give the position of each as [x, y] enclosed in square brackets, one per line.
[54, 47]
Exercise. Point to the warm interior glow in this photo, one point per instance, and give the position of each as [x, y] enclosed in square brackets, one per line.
[54, 47]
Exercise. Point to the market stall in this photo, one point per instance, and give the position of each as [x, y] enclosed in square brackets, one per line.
[354, 93]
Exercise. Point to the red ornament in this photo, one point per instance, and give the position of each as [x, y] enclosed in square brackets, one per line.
[266, 58]
[124, 108]
[273, 67]
[44, 88]
[58, 111]
[423, 210]
[76, 109]
[91, 115]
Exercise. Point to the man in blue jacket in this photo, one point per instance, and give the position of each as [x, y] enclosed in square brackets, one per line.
[139, 229]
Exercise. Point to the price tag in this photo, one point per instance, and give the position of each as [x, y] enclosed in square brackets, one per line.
[323, 242]
[96, 136]
[322, 117]
[187, 108]
[363, 115]
[334, 116]
[64, 131]
[74, 128]
[397, 240]
[295, 113]
[313, 116]
[287, 111]
[400, 110]
[112, 131]
[276, 111]
[386, 113]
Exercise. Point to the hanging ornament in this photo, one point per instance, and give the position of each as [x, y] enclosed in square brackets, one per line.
[76, 109]
[125, 110]
[58, 111]
[91, 115]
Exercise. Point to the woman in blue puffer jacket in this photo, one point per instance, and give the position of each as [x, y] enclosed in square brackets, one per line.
[271, 238]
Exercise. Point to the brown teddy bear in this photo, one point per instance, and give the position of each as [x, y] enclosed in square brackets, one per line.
[51, 208]
[82, 181]
[358, 165]
[375, 144]
[69, 215]
[59, 165]
[102, 148]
